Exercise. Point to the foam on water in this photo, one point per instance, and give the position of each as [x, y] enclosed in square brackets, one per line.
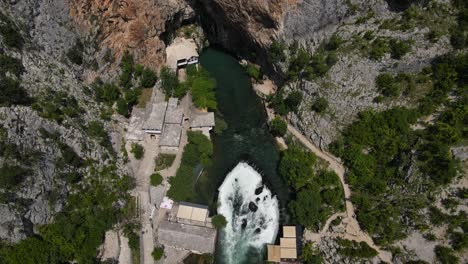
[251, 212]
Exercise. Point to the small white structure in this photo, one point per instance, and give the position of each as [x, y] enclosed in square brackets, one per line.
[155, 121]
[203, 122]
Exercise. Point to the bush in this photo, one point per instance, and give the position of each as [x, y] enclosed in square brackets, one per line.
[11, 176]
[11, 93]
[138, 151]
[164, 161]
[126, 65]
[278, 127]
[10, 64]
[158, 253]
[399, 48]
[445, 255]
[387, 85]
[156, 179]
[296, 167]
[106, 92]
[202, 88]
[276, 51]
[293, 101]
[10, 33]
[169, 81]
[356, 249]
[148, 78]
[75, 53]
[219, 221]
[122, 107]
[253, 72]
[320, 105]
[378, 48]
[334, 42]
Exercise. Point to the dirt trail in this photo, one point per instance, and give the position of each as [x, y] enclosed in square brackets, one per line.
[353, 230]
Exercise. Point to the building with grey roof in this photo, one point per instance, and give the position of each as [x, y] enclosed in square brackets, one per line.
[155, 121]
[198, 239]
[170, 139]
[203, 122]
[174, 113]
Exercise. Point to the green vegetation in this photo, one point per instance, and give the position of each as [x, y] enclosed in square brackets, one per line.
[170, 83]
[156, 179]
[310, 255]
[75, 53]
[276, 52]
[93, 207]
[445, 255]
[380, 148]
[57, 106]
[11, 176]
[148, 78]
[197, 152]
[164, 161]
[221, 125]
[199, 259]
[379, 47]
[158, 253]
[459, 33]
[283, 105]
[11, 92]
[202, 87]
[11, 34]
[296, 166]
[96, 130]
[320, 105]
[253, 72]
[317, 195]
[219, 221]
[278, 127]
[355, 249]
[398, 48]
[137, 150]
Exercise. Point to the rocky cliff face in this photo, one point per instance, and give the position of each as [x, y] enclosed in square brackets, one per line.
[141, 27]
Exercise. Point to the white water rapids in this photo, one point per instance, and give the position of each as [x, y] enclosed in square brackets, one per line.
[251, 212]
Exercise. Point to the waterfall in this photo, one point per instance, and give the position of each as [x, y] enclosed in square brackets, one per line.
[251, 212]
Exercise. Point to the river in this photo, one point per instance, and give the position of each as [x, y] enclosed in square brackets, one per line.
[245, 140]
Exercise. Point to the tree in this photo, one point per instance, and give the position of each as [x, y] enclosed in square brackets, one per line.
[122, 107]
[387, 85]
[156, 179]
[276, 51]
[278, 127]
[169, 80]
[203, 90]
[138, 151]
[75, 54]
[310, 255]
[320, 105]
[306, 207]
[296, 167]
[11, 93]
[399, 48]
[445, 255]
[219, 221]
[11, 176]
[158, 253]
[293, 100]
[148, 78]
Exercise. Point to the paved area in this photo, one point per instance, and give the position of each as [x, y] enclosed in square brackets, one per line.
[180, 48]
[125, 252]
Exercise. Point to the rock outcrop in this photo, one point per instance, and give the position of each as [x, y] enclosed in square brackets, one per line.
[141, 27]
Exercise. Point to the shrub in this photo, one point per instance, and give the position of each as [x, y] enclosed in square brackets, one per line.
[169, 80]
[320, 105]
[356, 249]
[278, 127]
[10, 64]
[75, 53]
[445, 255]
[219, 221]
[164, 161]
[11, 176]
[387, 85]
[296, 167]
[276, 52]
[11, 93]
[293, 100]
[10, 33]
[126, 65]
[202, 88]
[156, 179]
[122, 107]
[399, 48]
[378, 49]
[334, 42]
[158, 253]
[138, 151]
[148, 78]
[106, 92]
[253, 72]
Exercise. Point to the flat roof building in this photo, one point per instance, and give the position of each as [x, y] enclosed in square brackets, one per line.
[197, 239]
[170, 139]
[203, 120]
[174, 113]
[155, 121]
[192, 212]
[287, 250]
